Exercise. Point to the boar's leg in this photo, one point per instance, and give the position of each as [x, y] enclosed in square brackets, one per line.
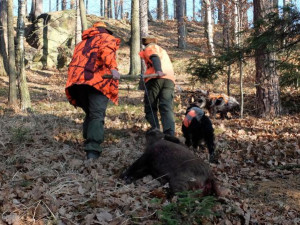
[138, 169]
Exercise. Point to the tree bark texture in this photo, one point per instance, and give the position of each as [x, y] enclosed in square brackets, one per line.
[166, 10]
[78, 24]
[135, 61]
[101, 7]
[181, 24]
[143, 26]
[267, 79]
[3, 38]
[82, 15]
[209, 29]
[24, 92]
[105, 8]
[159, 10]
[12, 98]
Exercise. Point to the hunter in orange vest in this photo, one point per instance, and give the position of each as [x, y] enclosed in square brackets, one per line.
[93, 57]
[159, 92]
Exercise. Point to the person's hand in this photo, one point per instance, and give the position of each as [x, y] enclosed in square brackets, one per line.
[160, 73]
[115, 74]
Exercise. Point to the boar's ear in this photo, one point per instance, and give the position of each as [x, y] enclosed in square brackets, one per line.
[153, 135]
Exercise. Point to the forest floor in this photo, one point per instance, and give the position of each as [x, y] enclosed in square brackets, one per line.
[45, 179]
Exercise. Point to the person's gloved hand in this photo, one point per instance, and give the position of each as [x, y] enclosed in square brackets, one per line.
[160, 73]
[115, 74]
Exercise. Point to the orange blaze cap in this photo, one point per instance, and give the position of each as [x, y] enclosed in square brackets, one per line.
[99, 24]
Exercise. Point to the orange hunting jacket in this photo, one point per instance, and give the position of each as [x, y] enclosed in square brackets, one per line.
[166, 65]
[93, 57]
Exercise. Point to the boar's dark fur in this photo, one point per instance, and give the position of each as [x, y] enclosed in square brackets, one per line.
[173, 163]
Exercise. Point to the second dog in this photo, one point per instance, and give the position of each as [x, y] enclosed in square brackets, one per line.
[196, 127]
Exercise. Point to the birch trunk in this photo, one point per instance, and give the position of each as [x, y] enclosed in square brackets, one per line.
[209, 29]
[24, 92]
[78, 24]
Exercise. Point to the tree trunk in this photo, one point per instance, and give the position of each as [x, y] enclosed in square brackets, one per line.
[209, 30]
[135, 61]
[82, 15]
[78, 24]
[194, 11]
[12, 99]
[105, 8]
[220, 11]
[3, 38]
[116, 9]
[63, 4]
[143, 33]
[159, 10]
[101, 7]
[50, 8]
[175, 7]
[24, 92]
[166, 9]
[72, 3]
[236, 15]
[86, 6]
[267, 79]
[109, 8]
[121, 9]
[181, 25]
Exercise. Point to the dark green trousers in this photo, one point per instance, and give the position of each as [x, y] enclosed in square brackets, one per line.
[160, 97]
[94, 104]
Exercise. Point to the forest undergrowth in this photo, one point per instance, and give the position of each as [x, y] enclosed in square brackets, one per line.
[45, 179]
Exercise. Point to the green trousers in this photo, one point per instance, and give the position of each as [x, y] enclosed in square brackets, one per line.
[94, 104]
[159, 94]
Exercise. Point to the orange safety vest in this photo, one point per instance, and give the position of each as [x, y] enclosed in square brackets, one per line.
[194, 112]
[217, 96]
[166, 64]
[93, 57]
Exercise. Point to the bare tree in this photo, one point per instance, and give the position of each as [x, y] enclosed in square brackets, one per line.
[143, 25]
[82, 15]
[175, 7]
[24, 92]
[135, 61]
[12, 98]
[101, 8]
[209, 27]
[159, 9]
[3, 38]
[267, 79]
[181, 24]
[63, 4]
[105, 8]
[72, 3]
[166, 9]
[194, 10]
[78, 26]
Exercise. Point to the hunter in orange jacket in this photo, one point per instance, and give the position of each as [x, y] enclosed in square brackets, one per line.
[159, 92]
[93, 57]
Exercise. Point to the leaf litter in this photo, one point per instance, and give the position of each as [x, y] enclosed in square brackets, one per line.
[45, 179]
